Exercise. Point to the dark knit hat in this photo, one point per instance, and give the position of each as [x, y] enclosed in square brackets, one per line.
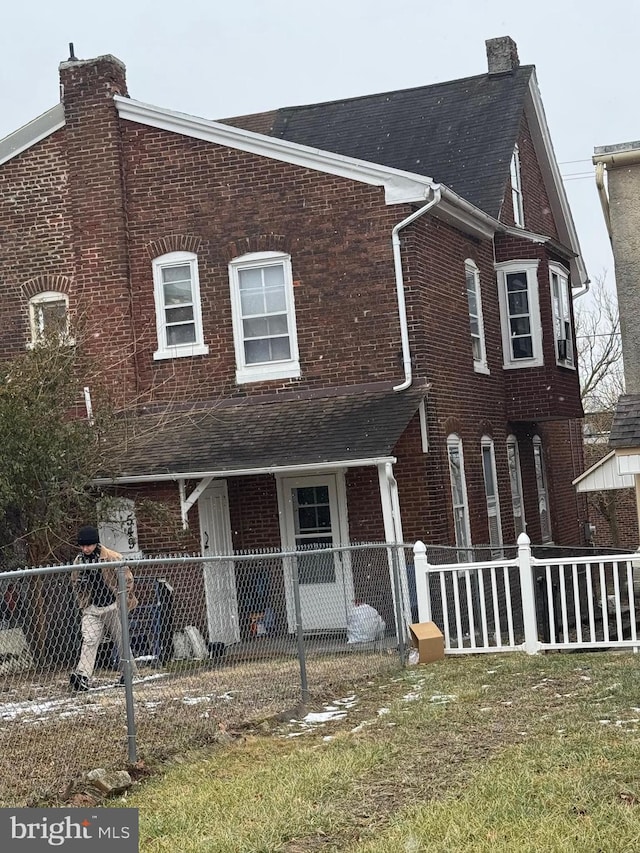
[88, 536]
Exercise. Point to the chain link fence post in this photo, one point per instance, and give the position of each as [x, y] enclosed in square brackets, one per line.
[397, 588]
[302, 654]
[126, 664]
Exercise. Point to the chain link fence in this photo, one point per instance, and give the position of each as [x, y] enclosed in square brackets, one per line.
[214, 644]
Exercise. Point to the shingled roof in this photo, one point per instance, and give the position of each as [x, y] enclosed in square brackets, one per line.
[625, 429]
[460, 133]
[276, 434]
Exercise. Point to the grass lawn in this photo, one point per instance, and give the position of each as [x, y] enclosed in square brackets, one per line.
[486, 753]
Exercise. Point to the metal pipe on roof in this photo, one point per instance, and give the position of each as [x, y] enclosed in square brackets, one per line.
[402, 307]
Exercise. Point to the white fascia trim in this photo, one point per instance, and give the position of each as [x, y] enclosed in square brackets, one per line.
[456, 210]
[29, 134]
[246, 472]
[514, 231]
[553, 171]
[400, 187]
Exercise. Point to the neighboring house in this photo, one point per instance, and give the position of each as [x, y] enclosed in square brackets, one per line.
[620, 197]
[612, 505]
[345, 322]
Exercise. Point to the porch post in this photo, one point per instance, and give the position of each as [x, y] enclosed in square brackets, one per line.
[527, 593]
[393, 537]
[421, 569]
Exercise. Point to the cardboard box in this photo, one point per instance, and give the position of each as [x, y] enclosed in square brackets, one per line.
[428, 639]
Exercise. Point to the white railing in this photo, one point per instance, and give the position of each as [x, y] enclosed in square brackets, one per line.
[529, 604]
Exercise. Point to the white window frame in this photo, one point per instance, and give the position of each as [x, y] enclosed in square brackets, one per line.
[472, 281]
[515, 479]
[285, 368]
[35, 318]
[528, 269]
[561, 308]
[542, 490]
[460, 507]
[516, 188]
[490, 478]
[198, 346]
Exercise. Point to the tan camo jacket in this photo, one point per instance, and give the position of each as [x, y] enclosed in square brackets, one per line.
[110, 575]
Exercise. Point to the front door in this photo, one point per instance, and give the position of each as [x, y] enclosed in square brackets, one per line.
[219, 576]
[312, 522]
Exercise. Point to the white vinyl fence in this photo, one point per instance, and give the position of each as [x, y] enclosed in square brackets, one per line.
[529, 604]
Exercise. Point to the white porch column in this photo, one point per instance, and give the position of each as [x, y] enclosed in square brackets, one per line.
[393, 536]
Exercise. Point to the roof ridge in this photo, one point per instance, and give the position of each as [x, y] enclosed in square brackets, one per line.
[408, 89]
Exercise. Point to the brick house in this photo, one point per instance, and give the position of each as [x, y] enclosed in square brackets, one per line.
[336, 323]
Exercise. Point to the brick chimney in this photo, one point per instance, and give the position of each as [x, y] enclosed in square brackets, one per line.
[97, 203]
[502, 55]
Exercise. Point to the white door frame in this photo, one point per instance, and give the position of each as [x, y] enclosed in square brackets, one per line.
[340, 531]
[219, 576]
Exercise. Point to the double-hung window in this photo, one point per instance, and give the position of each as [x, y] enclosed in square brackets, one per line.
[178, 310]
[520, 314]
[560, 297]
[516, 188]
[264, 323]
[49, 317]
[491, 495]
[461, 523]
[474, 299]
[543, 494]
[515, 479]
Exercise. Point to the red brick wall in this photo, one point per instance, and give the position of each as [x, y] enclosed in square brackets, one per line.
[36, 233]
[537, 209]
[338, 234]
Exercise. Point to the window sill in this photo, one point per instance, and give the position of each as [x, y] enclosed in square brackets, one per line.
[481, 367]
[525, 362]
[265, 372]
[181, 352]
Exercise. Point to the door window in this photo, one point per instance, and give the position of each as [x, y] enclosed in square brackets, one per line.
[313, 531]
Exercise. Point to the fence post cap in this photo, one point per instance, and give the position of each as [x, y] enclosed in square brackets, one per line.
[419, 547]
[523, 540]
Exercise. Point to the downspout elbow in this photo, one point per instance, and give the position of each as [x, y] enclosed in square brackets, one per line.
[402, 307]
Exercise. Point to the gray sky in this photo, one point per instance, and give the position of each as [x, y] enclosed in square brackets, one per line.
[217, 59]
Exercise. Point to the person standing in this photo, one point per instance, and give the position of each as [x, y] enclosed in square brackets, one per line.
[96, 590]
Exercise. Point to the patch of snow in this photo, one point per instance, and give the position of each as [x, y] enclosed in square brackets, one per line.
[324, 716]
[411, 697]
[442, 698]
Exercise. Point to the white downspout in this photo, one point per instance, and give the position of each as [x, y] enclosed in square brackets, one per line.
[402, 307]
[602, 193]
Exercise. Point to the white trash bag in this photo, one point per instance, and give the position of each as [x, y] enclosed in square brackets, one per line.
[364, 624]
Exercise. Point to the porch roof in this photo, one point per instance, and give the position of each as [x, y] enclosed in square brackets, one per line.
[603, 475]
[251, 435]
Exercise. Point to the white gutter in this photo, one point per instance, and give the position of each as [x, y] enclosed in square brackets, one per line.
[602, 194]
[402, 306]
[245, 472]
